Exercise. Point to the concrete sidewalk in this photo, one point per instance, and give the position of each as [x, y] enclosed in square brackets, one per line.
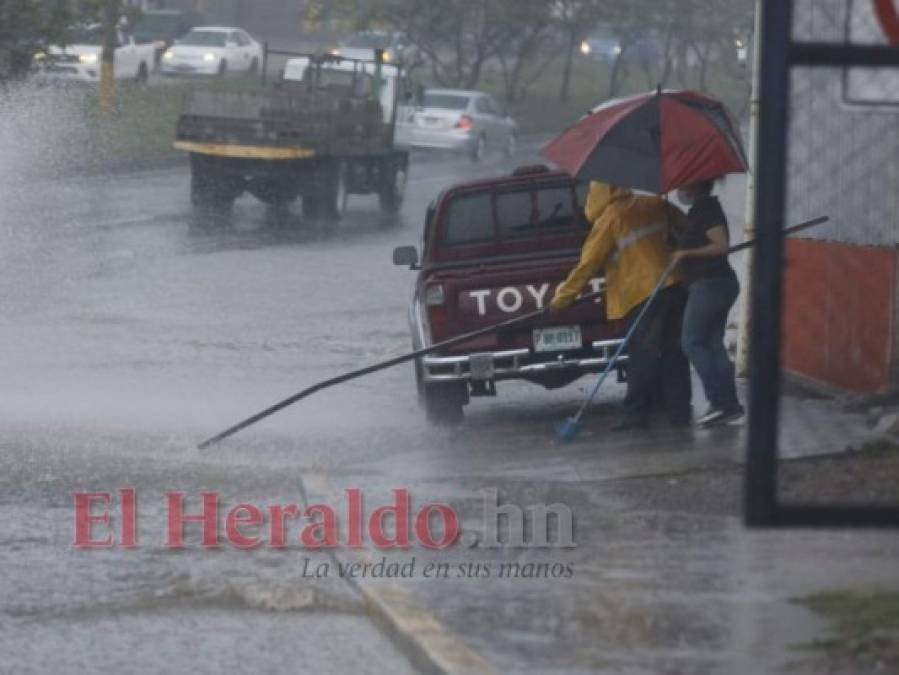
[664, 577]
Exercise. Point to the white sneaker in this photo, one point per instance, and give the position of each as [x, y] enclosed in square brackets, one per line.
[716, 417]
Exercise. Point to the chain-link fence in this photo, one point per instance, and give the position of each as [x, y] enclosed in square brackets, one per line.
[838, 72]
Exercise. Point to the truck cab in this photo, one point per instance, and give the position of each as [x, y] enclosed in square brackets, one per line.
[492, 250]
[358, 76]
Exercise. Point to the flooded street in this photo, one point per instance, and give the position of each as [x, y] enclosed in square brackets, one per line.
[131, 331]
[220, 218]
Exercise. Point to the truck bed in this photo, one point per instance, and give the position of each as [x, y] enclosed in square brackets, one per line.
[297, 118]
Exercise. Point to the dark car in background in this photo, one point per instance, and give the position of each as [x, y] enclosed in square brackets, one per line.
[163, 26]
[605, 45]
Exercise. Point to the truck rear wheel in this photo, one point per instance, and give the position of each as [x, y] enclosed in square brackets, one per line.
[442, 401]
[392, 192]
[209, 187]
[330, 203]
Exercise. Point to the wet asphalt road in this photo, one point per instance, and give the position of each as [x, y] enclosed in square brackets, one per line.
[129, 333]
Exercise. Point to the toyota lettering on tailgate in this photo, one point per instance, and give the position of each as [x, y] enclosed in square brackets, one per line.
[514, 299]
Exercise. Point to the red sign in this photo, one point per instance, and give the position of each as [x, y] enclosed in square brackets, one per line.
[888, 16]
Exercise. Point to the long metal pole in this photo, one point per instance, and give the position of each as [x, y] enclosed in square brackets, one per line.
[745, 321]
[459, 339]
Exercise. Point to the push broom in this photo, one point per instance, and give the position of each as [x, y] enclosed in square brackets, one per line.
[571, 424]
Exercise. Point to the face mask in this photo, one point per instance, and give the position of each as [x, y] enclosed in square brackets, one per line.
[685, 197]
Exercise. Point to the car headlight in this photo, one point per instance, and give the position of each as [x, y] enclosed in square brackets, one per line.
[209, 57]
[40, 56]
[387, 56]
[88, 59]
[169, 55]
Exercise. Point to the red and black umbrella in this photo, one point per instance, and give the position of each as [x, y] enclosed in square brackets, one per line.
[657, 142]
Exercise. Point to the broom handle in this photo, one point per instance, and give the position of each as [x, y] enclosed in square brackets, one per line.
[437, 346]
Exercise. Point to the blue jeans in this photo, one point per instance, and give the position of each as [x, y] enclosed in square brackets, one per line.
[702, 337]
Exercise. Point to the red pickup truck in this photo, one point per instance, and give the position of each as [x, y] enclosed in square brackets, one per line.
[494, 249]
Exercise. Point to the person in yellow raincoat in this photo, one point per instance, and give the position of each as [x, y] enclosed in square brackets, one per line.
[630, 241]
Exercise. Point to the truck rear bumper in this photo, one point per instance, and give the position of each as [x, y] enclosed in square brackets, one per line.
[516, 364]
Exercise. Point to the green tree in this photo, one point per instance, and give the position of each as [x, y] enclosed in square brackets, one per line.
[528, 46]
[339, 14]
[676, 42]
[457, 36]
[576, 20]
[26, 28]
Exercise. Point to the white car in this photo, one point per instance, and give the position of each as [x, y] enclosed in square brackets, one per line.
[212, 50]
[466, 121]
[79, 61]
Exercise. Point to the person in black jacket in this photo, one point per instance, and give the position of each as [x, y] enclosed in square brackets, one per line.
[712, 289]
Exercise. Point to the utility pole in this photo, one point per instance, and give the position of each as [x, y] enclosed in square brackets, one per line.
[110, 14]
[743, 365]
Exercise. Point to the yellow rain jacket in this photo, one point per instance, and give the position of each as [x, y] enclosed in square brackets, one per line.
[629, 240]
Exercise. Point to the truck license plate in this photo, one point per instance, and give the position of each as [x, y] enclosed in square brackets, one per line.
[557, 339]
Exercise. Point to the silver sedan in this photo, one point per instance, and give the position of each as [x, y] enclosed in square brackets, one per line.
[464, 121]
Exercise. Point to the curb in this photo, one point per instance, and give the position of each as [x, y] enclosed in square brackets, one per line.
[428, 645]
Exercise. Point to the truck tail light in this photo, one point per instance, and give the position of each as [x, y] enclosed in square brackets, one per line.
[437, 319]
[435, 301]
[465, 122]
[435, 295]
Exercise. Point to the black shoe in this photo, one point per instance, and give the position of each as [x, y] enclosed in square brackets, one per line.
[630, 424]
[716, 417]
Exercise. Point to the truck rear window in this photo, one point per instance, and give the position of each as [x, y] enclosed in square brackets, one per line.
[470, 218]
[515, 214]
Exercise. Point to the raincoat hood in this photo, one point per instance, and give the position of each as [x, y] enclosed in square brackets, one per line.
[628, 241]
[600, 196]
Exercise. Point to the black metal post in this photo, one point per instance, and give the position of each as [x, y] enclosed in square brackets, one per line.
[770, 203]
